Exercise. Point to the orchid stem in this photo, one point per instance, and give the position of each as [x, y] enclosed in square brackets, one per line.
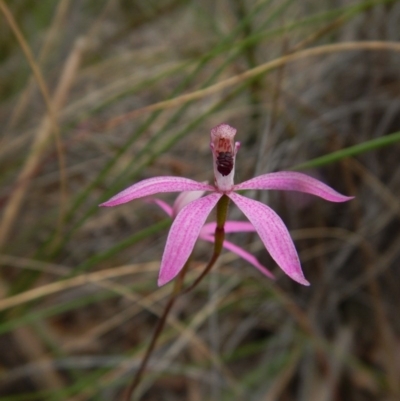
[176, 291]
[222, 212]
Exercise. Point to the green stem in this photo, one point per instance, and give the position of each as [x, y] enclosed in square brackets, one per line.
[222, 212]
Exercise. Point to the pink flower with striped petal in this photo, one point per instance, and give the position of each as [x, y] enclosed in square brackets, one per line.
[190, 220]
[208, 230]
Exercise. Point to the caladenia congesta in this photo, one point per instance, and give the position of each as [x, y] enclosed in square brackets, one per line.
[189, 220]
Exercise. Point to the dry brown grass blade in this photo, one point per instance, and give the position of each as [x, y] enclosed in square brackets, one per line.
[82, 279]
[251, 73]
[31, 264]
[41, 140]
[29, 56]
[50, 40]
[42, 136]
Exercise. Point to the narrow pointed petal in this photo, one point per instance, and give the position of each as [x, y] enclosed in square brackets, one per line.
[230, 226]
[156, 185]
[293, 181]
[242, 253]
[183, 235]
[274, 235]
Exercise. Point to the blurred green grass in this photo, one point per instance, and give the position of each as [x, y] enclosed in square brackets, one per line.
[336, 115]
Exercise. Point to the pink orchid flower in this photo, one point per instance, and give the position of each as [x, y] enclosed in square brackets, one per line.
[208, 230]
[188, 223]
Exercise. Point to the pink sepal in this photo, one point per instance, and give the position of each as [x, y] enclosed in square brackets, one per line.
[293, 181]
[273, 234]
[156, 185]
[183, 234]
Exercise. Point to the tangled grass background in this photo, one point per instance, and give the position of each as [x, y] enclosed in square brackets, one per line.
[97, 94]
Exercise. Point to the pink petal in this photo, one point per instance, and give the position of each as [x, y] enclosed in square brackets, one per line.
[156, 185]
[183, 234]
[242, 253]
[292, 181]
[273, 234]
[230, 227]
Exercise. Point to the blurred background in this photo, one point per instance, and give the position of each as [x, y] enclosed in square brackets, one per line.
[91, 101]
